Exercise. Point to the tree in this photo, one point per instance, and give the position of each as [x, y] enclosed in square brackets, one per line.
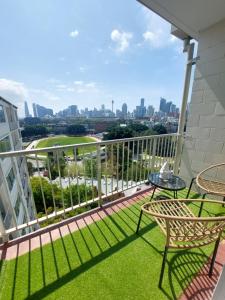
[30, 168]
[32, 130]
[118, 132]
[138, 127]
[48, 190]
[78, 193]
[53, 162]
[159, 129]
[76, 129]
[73, 169]
[90, 167]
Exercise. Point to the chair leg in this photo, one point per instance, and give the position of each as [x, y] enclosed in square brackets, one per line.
[214, 256]
[223, 201]
[139, 221]
[163, 266]
[201, 206]
[153, 193]
[189, 190]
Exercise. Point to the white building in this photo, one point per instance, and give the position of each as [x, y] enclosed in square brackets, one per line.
[16, 203]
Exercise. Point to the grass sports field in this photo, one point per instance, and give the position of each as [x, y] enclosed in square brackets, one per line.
[62, 140]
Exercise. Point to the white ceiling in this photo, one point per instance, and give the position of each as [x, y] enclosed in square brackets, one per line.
[191, 16]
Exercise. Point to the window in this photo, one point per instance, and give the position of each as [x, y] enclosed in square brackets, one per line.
[17, 206]
[2, 114]
[10, 179]
[5, 144]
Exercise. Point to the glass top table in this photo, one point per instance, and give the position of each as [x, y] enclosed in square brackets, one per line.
[175, 183]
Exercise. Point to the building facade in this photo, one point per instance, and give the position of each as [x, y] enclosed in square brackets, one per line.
[16, 202]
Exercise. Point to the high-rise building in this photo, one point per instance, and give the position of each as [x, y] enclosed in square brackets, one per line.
[162, 105]
[34, 110]
[16, 202]
[150, 111]
[124, 110]
[140, 111]
[43, 111]
[168, 107]
[26, 110]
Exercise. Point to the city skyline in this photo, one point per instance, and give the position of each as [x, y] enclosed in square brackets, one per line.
[141, 111]
[87, 53]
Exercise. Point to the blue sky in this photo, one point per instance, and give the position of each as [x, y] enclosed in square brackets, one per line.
[58, 53]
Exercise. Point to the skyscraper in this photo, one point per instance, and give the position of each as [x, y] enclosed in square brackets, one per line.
[26, 110]
[140, 111]
[34, 110]
[43, 111]
[124, 110]
[162, 105]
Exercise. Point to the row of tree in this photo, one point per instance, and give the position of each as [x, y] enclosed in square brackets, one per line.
[42, 130]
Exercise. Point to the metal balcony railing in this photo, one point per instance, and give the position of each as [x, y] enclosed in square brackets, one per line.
[66, 180]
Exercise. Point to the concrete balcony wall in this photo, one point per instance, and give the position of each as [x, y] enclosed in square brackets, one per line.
[205, 142]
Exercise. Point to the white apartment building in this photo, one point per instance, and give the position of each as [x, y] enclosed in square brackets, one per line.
[16, 202]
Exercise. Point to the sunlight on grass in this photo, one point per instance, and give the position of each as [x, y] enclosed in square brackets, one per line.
[105, 260]
[67, 140]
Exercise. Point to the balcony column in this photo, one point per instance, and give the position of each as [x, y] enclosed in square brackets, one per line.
[189, 48]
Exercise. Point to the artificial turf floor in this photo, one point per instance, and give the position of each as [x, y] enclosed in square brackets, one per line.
[105, 260]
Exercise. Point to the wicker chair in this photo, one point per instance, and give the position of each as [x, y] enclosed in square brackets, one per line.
[183, 230]
[210, 186]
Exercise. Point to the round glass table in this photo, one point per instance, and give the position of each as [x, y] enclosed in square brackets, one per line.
[175, 183]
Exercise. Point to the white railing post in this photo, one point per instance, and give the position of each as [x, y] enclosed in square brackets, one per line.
[99, 175]
[178, 152]
[153, 154]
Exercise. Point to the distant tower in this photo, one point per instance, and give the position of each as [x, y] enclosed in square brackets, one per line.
[26, 110]
[124, 110]
[34, 110]
[112, 104]
[142, 102]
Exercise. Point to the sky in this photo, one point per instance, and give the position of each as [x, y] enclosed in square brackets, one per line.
[59, 53]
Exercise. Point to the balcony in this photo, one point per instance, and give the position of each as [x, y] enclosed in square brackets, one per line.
[82, 239]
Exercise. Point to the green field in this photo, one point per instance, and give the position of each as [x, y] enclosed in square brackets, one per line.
[68, 140]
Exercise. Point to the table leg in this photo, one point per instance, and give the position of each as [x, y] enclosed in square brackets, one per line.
[175, 194]
[153, 193]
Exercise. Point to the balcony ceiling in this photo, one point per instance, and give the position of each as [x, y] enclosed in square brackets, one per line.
[192, 16]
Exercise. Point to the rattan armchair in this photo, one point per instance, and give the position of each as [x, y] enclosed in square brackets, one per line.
[183, 230]
[208, 185]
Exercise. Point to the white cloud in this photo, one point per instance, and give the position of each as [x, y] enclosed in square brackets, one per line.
[122, 39]
[90, 85]
[157, 33]
[78, 82]
[14, 91]
[74, 34]
[82, 69]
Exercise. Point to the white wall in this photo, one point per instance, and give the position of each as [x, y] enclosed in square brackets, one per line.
[205, 144]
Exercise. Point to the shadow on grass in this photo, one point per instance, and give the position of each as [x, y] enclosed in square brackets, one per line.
[123, 225]
[46, 290]
[183, 267]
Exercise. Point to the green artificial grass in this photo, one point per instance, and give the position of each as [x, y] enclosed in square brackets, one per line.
[68, 140]
[105, 260]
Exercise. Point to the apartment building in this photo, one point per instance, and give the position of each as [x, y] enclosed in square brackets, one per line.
[16, 203]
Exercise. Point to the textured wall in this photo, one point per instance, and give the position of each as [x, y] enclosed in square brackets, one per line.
[205, 144]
